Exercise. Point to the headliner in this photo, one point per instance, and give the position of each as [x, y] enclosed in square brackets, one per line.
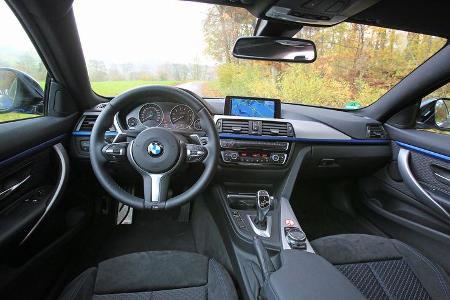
[428, 17]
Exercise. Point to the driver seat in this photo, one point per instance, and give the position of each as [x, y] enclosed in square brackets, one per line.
[153, 275]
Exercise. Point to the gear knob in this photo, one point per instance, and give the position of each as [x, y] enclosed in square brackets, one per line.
[263, 203]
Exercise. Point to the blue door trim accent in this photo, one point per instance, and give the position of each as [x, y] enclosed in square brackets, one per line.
[424, 151]
[31, 151]
[306, 140]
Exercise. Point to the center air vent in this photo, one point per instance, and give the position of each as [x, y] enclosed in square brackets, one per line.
[274, 128]
[235, 126]
[255, 127]
[88, 122]
[376, 131]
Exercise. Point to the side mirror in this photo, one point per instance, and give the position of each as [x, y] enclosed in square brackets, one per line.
[442, 114]
[275, 49]
[19, 92]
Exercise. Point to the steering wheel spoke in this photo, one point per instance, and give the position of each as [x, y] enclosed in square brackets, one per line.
[115, 152]
[155, 190]
[195, 153]
[126, 135]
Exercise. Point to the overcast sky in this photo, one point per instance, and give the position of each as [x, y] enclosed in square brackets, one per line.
[142, 30]
[12, 33]
[155, 31]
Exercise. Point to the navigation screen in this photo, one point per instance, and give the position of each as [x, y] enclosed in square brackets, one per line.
[248, 107]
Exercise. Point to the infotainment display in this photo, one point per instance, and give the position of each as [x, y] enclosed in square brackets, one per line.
[252, 107]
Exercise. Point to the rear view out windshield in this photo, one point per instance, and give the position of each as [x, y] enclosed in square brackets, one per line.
[180, 43]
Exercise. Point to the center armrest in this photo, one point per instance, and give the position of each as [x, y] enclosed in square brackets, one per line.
[305, 275]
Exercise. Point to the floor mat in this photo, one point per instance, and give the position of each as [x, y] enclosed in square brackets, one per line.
[150, 231]
[318, 218]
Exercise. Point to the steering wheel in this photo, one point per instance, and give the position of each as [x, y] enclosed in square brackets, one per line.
[156, 153]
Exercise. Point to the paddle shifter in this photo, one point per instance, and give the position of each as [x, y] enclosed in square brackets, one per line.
[263, 204]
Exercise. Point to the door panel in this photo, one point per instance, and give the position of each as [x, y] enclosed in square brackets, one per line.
[418, 189]
[30, 186]
[414, 207]
[437, 145]
[22, 138]
[33, 229]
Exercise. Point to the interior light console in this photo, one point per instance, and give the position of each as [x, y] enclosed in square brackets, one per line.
[317, 12]
[253, 134]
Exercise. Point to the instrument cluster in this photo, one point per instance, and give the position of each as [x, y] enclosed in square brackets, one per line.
[163, 114]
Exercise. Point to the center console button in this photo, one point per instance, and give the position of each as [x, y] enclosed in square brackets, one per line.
[295, 237]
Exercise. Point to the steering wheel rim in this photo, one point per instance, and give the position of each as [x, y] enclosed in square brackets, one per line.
[98, 144]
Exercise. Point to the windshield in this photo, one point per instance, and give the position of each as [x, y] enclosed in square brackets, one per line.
[179, 43]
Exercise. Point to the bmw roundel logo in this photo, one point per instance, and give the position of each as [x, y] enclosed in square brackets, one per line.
[155, 149]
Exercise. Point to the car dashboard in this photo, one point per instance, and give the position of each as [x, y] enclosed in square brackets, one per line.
[339, 141]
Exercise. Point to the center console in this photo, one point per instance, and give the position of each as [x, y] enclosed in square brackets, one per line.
[260, 161]
[252, 133]
[267, 216]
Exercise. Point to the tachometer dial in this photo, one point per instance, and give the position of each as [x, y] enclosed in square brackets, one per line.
[182, 116]
[151, 115]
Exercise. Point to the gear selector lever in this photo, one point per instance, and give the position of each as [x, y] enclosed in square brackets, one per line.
[263, 203]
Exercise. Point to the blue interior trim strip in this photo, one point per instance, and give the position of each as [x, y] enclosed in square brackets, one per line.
[32, 150]
[88, 133]
[307, 140]
[424, 151]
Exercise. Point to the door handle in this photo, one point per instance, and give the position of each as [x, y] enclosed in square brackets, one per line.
[442, 177]
[442, 174]
[422, 195]
[5, 193]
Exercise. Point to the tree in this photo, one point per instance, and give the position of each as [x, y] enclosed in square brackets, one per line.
[222, 27]
[97, 70]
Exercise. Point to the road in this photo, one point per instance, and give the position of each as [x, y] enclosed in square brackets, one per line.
[194, 86]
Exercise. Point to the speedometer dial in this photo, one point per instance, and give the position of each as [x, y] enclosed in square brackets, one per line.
[151, 115]
[182, 116]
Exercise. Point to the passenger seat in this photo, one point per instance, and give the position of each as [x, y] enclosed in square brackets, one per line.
[383, 268]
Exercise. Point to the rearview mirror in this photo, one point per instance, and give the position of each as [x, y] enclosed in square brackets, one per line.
[442, 114]
[275, 49]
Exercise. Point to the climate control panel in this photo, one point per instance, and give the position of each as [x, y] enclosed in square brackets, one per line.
[254, 157]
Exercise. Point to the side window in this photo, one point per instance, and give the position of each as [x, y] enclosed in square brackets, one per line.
[22, 73]
[434, 114]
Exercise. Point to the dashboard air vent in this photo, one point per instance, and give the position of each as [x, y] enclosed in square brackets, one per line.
[274, 128]
[376, 131]
[235, 126]
[88, 122]
[101, 106]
